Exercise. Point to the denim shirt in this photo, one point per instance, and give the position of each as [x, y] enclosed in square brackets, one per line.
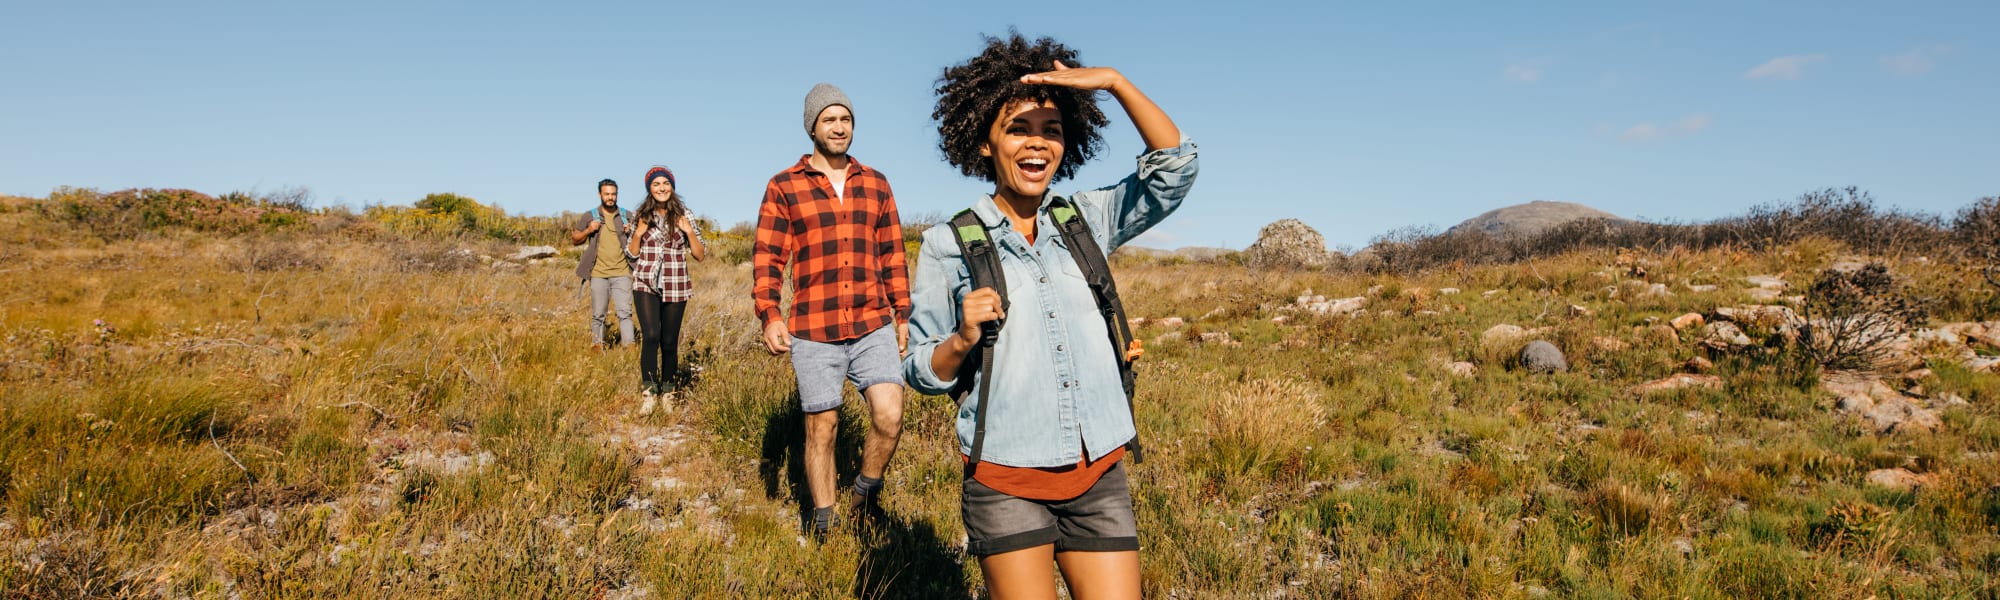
[1056, 391]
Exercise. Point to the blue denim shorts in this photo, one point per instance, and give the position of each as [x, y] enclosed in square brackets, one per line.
[867, 360]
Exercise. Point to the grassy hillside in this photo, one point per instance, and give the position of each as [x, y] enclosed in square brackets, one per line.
[302, 411]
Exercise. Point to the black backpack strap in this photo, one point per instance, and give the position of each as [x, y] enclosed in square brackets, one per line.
[1097, 273]
[982, 261]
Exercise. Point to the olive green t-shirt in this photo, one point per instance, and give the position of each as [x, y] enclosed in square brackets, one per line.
[610, 255]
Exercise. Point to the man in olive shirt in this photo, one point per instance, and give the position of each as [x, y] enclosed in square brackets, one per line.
[603, 264]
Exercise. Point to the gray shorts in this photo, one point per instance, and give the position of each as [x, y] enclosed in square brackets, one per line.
[867, 360]
[1100, 520]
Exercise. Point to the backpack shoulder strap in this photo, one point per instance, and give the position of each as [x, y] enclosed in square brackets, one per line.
[982, 262]
[1089, 257]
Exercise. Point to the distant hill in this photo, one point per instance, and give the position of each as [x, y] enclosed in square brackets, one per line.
[1531, 218]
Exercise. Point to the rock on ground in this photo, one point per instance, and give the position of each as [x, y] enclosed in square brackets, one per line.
[1540, 356]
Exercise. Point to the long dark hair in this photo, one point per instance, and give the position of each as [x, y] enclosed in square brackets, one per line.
[674, 207]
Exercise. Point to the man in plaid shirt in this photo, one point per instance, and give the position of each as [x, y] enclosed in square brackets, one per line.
[833, 221]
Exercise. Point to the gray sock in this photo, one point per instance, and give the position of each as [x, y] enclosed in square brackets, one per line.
[866, 486]
[823, 518]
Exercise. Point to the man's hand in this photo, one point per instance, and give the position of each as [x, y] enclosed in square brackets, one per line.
[594, 226]
[902, 338]
[777, 337]
[980, 306]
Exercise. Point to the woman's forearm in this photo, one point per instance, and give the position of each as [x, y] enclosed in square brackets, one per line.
[1155, 127]
[949, 356]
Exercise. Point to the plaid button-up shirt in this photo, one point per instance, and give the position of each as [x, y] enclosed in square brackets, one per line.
[661, 268]
[848, 272]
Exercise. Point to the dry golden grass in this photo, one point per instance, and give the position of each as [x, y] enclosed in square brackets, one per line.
[300, 415]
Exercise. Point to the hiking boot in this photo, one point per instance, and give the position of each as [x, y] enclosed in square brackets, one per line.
[819, 529]
[865, 510]
[667, 398]
[646, 405]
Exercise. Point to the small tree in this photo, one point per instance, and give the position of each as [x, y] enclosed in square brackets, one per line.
[1853, 318]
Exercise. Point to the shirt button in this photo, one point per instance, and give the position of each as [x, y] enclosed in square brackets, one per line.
[1059, 347]
[1052, 314]
[1045, 280]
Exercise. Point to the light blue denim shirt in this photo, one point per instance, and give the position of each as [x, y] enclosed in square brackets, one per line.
[1056, 392]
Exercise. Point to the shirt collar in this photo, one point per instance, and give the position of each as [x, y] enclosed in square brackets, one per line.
[989, 213]
[854, 167]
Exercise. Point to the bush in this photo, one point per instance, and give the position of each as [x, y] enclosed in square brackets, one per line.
[128, 213]
[1854, 318]
[454, 216]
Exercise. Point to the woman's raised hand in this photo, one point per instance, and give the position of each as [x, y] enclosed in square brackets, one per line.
[1085, 78]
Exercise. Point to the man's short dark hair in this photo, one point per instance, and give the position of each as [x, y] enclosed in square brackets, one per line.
[971, 94]
[601, 184]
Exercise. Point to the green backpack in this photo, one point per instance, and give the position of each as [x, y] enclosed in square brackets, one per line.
[983, 264]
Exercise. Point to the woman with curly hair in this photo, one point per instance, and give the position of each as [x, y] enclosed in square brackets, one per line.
[1046, 487]
[663, 241]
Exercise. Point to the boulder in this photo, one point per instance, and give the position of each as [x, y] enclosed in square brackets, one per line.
[1288, 243]
[1609, 344]
[1724, 335]
[1502, 335]
[1766, 282]
[1540, 356]
[1899, 415]
[1219, 338]
[1675, 382]
[1856, 392]
[1768, 316]
[533, 252]
[1462, 369]
[1698, 365]
[1898, 479]
[1687, 321]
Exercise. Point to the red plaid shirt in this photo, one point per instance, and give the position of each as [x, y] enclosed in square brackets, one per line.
[846, 257]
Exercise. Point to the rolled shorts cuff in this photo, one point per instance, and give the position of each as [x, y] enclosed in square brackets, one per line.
[1016, 541]
[1106, 544]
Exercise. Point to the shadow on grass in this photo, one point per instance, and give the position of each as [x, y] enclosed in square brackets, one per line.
[906, 559]
[783, 467]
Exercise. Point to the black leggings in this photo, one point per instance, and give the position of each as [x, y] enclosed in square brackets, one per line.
[659, 337]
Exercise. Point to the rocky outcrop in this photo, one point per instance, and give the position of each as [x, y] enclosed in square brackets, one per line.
[1531, 218]
[1290, 244]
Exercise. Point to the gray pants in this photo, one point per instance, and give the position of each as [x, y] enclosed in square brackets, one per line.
[616, 290]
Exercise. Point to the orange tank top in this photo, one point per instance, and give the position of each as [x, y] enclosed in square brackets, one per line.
[1049, 483]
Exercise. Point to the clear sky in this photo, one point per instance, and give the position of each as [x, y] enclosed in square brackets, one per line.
[1357, 118]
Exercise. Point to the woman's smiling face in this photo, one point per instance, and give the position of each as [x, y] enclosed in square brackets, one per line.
[1025, 145]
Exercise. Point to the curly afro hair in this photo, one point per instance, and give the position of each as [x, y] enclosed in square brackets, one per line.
[971, 94]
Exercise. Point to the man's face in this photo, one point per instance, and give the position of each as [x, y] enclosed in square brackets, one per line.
[1026, 146]
[833, 132]
[608, 194]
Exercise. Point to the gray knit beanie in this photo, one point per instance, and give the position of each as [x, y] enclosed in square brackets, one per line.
[822, 96]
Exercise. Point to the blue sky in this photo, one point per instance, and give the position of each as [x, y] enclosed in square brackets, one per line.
[1356, 118]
